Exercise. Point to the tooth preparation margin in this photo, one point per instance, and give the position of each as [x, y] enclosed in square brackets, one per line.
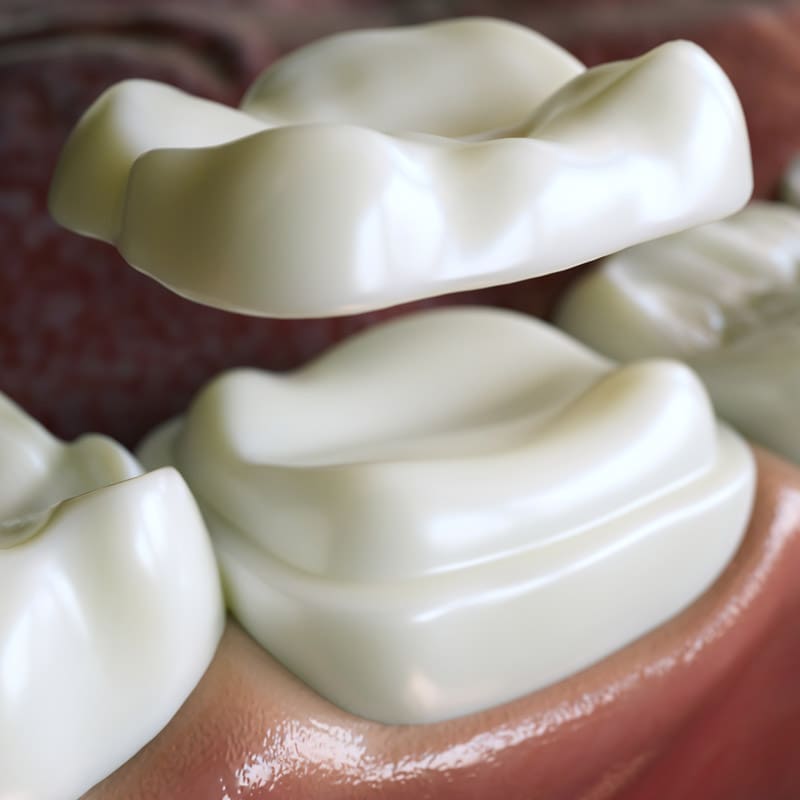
[724, 297]
[457, 477]
[111, 611]
[296, 206]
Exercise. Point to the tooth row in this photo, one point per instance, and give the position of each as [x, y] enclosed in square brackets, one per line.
[725, 297]
[111, 607]
[299, 207]
[458, 476]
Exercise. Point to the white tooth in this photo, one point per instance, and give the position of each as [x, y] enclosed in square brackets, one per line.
[318, 219]
[504, 71]
[459, 482]
[111, 607]
[131, 118]
[456, 78]
[725, 297]
[790, 189]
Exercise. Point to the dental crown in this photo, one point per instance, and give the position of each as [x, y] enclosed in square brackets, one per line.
[461, 155]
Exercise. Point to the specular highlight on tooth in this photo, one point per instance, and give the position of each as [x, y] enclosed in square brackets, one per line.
[458, 481]
[725, 298]
[302, 206]
[111, 607]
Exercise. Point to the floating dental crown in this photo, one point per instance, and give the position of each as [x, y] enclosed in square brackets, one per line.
[346, 183]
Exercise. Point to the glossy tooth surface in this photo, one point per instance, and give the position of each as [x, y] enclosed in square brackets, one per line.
[329, 206]
[111, 607]
[790, 189]
[458, 482]
[725, 298]
[456, 78]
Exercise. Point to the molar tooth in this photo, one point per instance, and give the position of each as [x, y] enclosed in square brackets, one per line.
[111, 607]
[504, 71]
[316, 219]
[724, 297]
[458, 476]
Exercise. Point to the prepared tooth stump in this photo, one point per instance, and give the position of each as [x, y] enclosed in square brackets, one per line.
[458, 507]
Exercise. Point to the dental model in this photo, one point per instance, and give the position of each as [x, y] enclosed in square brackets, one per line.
[111, 607]
[457, 508]
[461, 155]
[790, 189]
[723, 297]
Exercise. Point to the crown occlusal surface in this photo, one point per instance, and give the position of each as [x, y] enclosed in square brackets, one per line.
[317, 200]
[471, 76]
[111, 607]
[791, 182]
[725, 297]
[458, 476]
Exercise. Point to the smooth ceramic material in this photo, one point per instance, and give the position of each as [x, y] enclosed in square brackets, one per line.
[459, 507]
[467, 77]
[724, 297]
[350, 183]
[111, 607]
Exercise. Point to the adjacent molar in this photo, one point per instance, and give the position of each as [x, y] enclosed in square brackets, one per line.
[316, 199]
[370, 78]
[725, 298]
[111, 607]
[456, 508]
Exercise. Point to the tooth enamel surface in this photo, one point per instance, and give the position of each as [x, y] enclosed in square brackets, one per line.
[369, 78]
[459, 507]
[318, 199]
[725, 298]
[457, 78]
[111, 607]
[791, 183]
